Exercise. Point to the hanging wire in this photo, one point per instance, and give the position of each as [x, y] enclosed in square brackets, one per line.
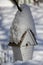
[15, 2]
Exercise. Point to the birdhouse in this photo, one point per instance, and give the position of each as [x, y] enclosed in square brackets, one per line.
[22, 37]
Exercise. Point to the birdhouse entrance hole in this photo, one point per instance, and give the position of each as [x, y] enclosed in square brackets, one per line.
[26, 44]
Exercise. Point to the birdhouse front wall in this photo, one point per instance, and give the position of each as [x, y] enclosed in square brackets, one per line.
[27, 53]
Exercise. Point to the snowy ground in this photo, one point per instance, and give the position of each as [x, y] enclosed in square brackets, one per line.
[6, 17]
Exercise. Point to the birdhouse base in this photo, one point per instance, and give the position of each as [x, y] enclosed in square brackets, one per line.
[23, 53]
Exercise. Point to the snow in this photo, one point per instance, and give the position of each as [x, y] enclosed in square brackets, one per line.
[25, 63]
[5, 3]
[37, 13]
